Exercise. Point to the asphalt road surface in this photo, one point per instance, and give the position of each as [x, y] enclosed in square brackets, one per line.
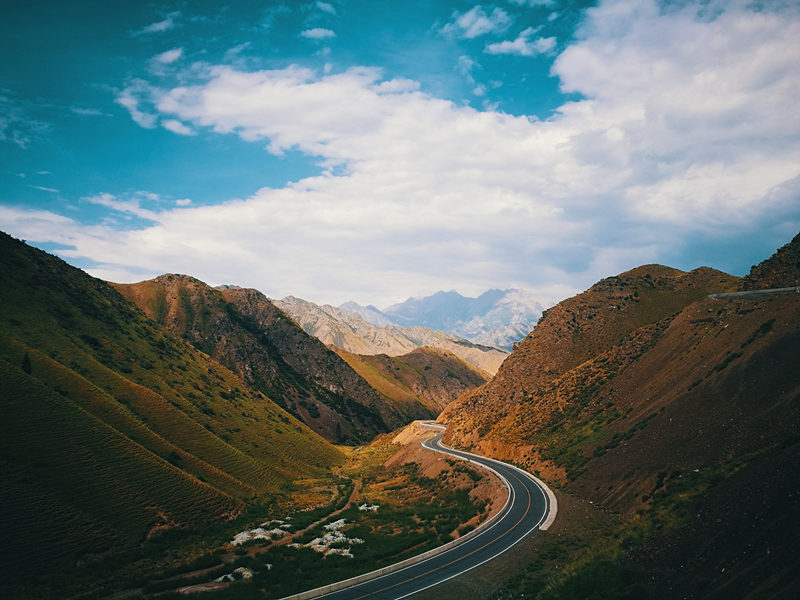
[526, 511]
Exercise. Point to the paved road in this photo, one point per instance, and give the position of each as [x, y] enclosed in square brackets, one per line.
[530, 507]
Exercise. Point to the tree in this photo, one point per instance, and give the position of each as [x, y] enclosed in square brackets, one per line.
[26, 363]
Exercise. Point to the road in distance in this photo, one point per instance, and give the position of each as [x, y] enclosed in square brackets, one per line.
[527, 509]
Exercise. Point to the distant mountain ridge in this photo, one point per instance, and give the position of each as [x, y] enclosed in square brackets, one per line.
[370, 313]
[496, 317]
[353, 333]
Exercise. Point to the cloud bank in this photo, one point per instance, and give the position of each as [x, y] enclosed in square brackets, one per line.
[686, 129]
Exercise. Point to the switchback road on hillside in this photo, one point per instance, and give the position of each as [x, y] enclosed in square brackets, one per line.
[531, 505]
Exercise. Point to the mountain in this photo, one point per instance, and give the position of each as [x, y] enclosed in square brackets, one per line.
[370, 313]
[581, 327]
[244, 331]
[442, 310]
[114, 431]
[677, 412]
[351, 332]
[781, 270]
[496, 317]
[429, 376]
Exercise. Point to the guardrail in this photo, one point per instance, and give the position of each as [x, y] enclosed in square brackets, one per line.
[750, 293]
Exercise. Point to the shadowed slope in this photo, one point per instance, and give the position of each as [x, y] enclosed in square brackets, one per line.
[113, 429]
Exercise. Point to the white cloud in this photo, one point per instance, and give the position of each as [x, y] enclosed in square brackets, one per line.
[183, 202]
[177, 127]
[326, 7]
[476, 22]
[397, 86]
[160, 26]
[532, 2]
[466, 65]
[687, 129]
[131, 97]
[87, 112]
[318, 33]
[17, 126]
[523, 45]
[44, 189]
[169, 57]
[131, 206]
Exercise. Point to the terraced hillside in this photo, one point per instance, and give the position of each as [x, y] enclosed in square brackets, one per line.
[243, 330]
[113, 430]
[677, 412]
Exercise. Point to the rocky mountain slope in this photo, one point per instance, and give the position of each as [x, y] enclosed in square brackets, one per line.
[781, 270]
[495, 318]
[113, 430]
[430, 376]
[243, 330]
[349, 331]
[648, 399]
[370, 314]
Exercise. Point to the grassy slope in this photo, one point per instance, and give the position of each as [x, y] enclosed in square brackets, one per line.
[426, 376]
[112, 427]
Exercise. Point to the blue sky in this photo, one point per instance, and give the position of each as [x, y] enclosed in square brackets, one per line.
[371, 151]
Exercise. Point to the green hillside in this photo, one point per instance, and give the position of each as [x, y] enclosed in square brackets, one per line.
[114, 431]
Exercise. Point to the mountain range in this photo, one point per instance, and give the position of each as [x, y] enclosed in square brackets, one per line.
[132, 411]
[495, 318]
[664, 413]
[351, 332]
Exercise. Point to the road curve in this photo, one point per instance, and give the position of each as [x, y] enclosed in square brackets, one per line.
[530, 506]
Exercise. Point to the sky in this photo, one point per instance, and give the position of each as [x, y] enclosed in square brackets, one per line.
[372, 151]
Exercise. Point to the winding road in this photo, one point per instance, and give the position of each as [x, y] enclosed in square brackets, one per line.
[531, 505]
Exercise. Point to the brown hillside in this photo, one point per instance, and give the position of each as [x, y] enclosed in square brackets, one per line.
[781, 270]
[432, 377]
[670, 409]
[577, 329]
[243, 330]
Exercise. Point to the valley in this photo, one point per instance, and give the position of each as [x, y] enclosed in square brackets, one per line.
[167, 438]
